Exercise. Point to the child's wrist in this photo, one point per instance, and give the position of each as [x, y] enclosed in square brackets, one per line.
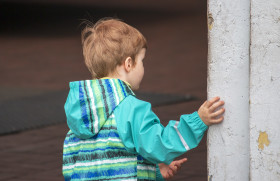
[203, 118]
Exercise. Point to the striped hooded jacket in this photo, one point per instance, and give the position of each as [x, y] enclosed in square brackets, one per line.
[115, 136]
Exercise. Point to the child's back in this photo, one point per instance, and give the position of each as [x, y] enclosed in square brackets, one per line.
[113, 135]
[93, 149]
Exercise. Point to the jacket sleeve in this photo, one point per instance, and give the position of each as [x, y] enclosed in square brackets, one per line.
[141, 132]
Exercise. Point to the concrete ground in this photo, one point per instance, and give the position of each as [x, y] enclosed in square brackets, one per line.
[40, 51]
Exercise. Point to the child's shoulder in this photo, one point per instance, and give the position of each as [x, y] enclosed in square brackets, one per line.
[133, 101]
[132, 105]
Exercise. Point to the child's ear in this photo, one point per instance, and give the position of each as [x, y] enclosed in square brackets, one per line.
[128, 64]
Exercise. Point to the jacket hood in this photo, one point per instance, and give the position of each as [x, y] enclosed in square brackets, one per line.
[91, 102]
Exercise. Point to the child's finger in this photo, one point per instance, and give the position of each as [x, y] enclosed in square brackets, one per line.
[173, 170]
[183, 160]
[170, 173]
[218, 113]
[173, 166]
[204, 104]
[212, 101]
[180, 162]
[218, 120]
[216, 105]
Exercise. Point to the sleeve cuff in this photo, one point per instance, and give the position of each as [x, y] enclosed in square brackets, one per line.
[158, 174]
[192, 129]
[200, 124]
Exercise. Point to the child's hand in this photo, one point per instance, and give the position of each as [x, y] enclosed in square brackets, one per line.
[168, 171]
[209, 113]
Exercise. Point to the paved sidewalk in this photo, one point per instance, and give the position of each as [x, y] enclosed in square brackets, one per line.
[41, 57]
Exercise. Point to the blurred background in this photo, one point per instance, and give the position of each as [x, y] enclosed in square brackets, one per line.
[40, 53]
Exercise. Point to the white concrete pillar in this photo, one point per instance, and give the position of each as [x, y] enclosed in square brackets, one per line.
[265, 91]
[228, 77]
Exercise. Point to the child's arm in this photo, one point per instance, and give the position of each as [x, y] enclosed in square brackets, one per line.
[141, 131]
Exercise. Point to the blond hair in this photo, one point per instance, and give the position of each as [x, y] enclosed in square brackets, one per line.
[107, 43]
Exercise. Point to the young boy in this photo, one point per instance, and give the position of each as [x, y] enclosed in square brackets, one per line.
[113, 135]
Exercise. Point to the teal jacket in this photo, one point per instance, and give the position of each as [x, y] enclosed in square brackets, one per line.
[107, 109]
